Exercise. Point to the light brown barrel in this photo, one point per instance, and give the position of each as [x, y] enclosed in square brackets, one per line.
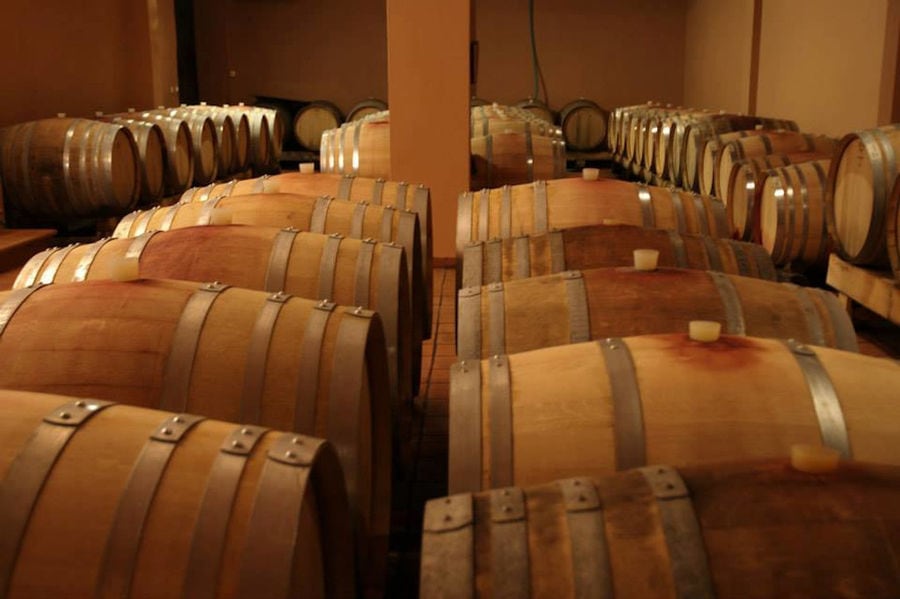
[151, 145]
[499, 260]
[703, 128]
[261, 146]
[745, 185]
[224, 352]
[537, 108]
[580, 305]
[893, 231]
[494, 119]
[349, 272]
[179, 165]
[205, 141]
[733, 531]
[359, 148]
[647, 135]
[562, 203]
[773, 142]
[679, 128]
[399, 194]
[232, 151]
[619, 125]
[708, 156]
[277, 130]
[591, 408]
[792, 215]
[862, 175]
[314, 119]
[242, 142]
[632, 130]
[57, 170]
[100, 499]
[511, 158]
[366, 108]
[306, 213]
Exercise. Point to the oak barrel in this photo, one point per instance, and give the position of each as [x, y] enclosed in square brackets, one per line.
[511, 158]
[224, 352]
[579, 305]
[261, 157]
[734, 531]
[349, 272]
[705, 127]
[708, 156]
[151, 145]
[179, 170]
[242, 140]
[498, 260]
[314, 119]
[277, 130]
[366, 108]
[486, 120]
[562, 203]
[361, 148]
[207, 144]
[398, 194]
[99, 499]
[537, 108]
[57, 170]
[591, 408]
[306, 213]
[743, 190]
[860, 180]
[772, 142]
[792, 215]
[584, 125]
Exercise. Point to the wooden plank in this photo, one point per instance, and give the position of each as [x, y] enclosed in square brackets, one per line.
[18, 245]
[876, 290]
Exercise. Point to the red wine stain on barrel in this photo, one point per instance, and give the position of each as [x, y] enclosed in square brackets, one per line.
[728, 353]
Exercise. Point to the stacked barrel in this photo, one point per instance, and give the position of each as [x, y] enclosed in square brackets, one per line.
[288, 311]
[68, 170]
[630, 385]
[508, 145]
[770, 176]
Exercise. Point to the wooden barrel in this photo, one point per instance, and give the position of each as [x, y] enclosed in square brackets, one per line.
[591, 408]
[278, 128]
[348, 272]
[361, 148]
[619, 125]
[668, 128]
[306, 213]
[493, 122]
[314, 119]
[395, 194]
[398, 194]
[773, 142]
[734, 531]
[242, 142]
[261, 144]
[632, 129]
[579, 305]
[498, 260]
[151, 146]
[744, 188]
[537, 108]
[703, 128]
[232, 154]
[893, 231]
[365, 108]
[511, 158]
[859, 185]
[562, 203]
[647, 135]
[101, 499]
[708, 156]
[205, 142]
[57, 170]
[679, 128]
[792, 215]
[224, 352]
[179, 169]
[584, 125]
